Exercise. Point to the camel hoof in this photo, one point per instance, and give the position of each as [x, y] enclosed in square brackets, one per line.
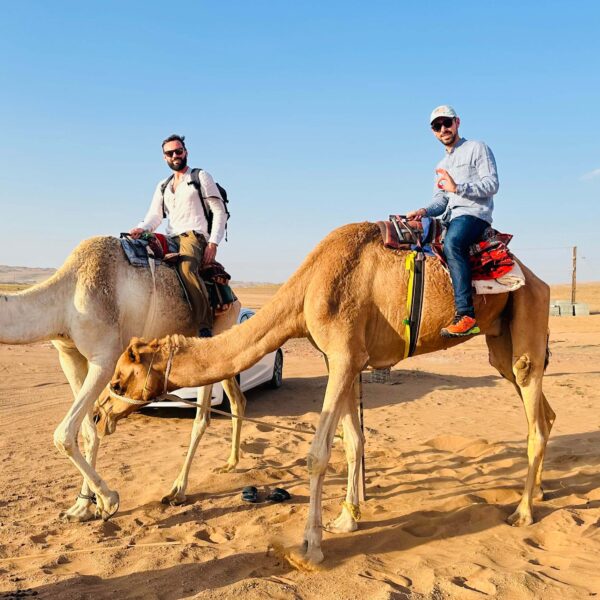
[174, 499]
[228, 468]
[107, 506]
[343, 524]
[298, 559]
[309, 555]
[312, 557]
[518, 519]
[78, 513]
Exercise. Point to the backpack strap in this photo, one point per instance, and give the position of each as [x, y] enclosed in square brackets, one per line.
[195, 176]
[163, 187]
[195, 181]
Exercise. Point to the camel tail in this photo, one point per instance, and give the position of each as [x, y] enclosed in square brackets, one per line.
[548, 353]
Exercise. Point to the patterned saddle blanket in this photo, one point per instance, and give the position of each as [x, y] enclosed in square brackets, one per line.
[490, 257]
[151, 245]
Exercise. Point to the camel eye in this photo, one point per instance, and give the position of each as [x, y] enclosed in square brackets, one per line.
[131, 355]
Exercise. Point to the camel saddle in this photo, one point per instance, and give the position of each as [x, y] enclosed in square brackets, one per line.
[489, 257]
[152, 249]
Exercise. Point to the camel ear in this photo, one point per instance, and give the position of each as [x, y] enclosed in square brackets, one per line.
[133, 352]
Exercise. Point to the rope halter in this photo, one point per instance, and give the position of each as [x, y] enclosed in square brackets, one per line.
[143, 402]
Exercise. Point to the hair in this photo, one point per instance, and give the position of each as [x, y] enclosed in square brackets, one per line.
[174, 138]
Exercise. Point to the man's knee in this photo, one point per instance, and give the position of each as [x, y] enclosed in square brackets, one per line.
[454, 247]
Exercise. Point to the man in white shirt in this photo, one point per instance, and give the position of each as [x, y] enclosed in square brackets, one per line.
[187, 222]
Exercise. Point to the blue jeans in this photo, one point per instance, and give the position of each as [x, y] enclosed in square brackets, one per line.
[462, 232]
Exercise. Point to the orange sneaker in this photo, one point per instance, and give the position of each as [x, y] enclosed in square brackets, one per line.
[462, 325]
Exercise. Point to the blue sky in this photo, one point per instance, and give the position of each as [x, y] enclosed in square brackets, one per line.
[311, 114]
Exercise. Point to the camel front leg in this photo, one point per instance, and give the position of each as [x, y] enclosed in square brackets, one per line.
[237, 401]
[348, 519]
[75, 368]
[84, 508]
[177, 494]
[338, 400]
[65, 438]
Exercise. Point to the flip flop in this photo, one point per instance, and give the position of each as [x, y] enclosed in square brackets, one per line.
[250, 494]
[278, 495]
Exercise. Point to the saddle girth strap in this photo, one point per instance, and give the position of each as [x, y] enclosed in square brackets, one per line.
[415, 265]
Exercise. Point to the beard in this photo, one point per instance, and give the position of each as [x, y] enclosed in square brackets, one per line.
[177, 164]
[451, 140]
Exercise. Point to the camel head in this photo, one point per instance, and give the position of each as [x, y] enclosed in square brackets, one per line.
[138, 379]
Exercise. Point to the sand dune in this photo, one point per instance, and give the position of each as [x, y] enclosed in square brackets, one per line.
[445, 458]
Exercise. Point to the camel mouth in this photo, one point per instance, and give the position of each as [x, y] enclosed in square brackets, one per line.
[106, 426]
[117, 393]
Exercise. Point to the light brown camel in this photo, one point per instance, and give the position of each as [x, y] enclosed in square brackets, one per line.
[90, 308]
[349, 299]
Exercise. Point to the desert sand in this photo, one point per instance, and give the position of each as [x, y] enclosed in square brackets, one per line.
[445, 464]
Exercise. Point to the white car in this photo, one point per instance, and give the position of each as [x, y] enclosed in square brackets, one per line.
[269, 370]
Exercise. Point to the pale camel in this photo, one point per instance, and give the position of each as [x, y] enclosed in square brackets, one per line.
[349, 299]
[90, 308]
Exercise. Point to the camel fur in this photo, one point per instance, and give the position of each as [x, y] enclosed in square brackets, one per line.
[349, 299]
[90, 308]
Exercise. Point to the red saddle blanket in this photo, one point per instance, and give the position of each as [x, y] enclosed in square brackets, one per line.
[489, 257]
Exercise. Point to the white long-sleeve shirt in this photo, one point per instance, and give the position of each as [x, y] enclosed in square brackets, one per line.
[184, 208]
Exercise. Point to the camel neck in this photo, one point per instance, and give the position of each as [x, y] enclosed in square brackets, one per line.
[35, 314]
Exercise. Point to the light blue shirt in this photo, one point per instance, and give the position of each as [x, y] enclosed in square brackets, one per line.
[473, 167]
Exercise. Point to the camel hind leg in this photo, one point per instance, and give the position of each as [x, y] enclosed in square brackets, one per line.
[528, 326]
[237, 401]
[501, 358]
[177, 493]
[238, 404]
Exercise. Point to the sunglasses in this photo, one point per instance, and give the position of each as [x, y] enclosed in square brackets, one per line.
[176, 152]
[446, 122]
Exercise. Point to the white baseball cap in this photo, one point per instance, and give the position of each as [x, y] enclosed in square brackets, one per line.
[442, 111]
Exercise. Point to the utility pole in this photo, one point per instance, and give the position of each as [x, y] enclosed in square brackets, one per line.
[574, 276]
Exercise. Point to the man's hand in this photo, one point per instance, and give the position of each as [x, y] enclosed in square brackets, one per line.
[416, 215]
[136, 232]
[445, 182]
[210, 253]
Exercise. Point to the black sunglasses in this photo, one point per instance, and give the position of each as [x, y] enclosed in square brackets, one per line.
[446, 122]
[176, 152]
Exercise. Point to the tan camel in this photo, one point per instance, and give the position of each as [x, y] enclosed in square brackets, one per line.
[349, 299]
[90, 308]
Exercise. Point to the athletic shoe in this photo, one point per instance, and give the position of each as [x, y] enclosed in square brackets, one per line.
[462, 325]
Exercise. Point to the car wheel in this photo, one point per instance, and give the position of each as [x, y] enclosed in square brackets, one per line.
[277, 378]
[226, 404]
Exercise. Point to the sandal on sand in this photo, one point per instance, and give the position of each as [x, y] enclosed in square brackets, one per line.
[250, 494]
[278, 495]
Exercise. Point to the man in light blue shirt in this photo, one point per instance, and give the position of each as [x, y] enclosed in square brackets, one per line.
[466, 181]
